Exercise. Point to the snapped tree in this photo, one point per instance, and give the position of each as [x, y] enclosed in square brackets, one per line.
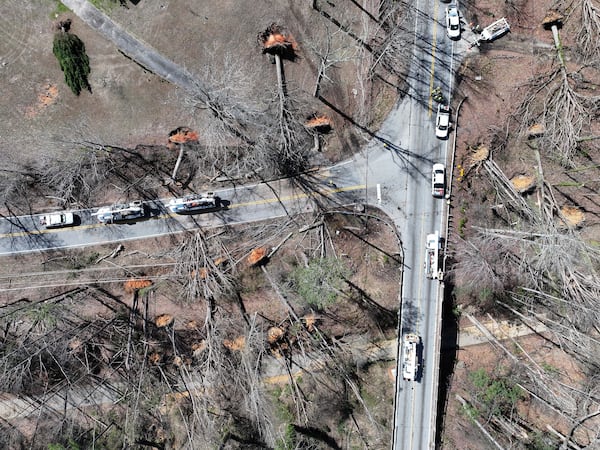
[73, 60]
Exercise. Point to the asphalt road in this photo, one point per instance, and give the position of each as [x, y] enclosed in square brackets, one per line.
[434, 62]
[240, 205]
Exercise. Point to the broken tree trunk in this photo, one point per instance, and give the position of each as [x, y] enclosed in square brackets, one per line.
[179, 158]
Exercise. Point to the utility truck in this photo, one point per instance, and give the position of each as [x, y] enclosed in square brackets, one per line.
[121, 212]
[432, 255]
[410, 356]
[194, 203]
[494, 30]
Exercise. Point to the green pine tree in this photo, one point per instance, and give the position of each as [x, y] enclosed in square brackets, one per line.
[74, 62]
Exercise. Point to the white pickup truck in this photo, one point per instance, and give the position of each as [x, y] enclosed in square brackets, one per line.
[194, 203]
[57, 220]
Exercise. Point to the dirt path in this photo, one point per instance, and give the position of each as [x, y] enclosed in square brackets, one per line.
[274, 371]
[132, 47]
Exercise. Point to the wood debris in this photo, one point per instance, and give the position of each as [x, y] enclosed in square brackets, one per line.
[163, 320]
[523, 183]
[135, 285]
[257, 256]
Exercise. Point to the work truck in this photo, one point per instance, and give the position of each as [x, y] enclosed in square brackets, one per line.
[410, 356]
[121, 212]
[432, 255]
[195, 203]
[494, 30]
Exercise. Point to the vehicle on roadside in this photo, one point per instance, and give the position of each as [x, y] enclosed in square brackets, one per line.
[442, 122]
[452, 22]
[494, 30]
[121, 212]
[432, 255]
[58, 219]
[194, 203]
[438, 180]
[410, 356]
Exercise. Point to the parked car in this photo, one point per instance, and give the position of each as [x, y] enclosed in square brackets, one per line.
[57, 220]
[121, 212]
[438, 180]
[452, 22]
[194, 203]
[442, 122]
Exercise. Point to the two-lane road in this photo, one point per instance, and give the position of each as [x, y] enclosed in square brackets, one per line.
[245, 204]
[434, 55]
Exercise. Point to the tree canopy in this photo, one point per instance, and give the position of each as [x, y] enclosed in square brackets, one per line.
[73, 60]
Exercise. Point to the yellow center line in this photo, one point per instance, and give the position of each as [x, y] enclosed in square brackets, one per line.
[433, 44]
[285, 198]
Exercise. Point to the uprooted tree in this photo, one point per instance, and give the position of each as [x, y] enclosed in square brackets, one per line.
[561, 100]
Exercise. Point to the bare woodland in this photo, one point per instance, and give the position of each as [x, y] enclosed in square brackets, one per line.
[119, 376]
[525, 260]
[141, 381]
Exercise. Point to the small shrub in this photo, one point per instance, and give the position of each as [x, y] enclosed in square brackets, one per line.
[320, 283]
[461, 226]
[498, 395]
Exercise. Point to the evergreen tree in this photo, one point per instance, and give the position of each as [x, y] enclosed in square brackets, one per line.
[74, 62]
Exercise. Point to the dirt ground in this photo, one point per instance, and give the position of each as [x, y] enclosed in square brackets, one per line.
[41, 116]
[374, 271]
[129, 106]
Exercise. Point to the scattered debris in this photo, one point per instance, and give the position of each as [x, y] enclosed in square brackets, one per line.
[135, 285]
[47, 97]
[523, 183]
[258, 256]
[163, 320]
[112, 254]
